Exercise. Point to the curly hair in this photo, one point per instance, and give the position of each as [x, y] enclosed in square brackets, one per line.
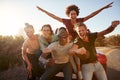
[70, 8]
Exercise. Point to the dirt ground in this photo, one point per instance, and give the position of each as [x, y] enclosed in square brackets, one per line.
[113, 66]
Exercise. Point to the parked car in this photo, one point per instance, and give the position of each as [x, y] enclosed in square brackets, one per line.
[102, 58]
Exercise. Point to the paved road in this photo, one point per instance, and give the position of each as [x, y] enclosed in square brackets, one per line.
[113, 62]
[113, 74]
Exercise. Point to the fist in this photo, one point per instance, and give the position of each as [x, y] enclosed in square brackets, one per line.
[115, 23]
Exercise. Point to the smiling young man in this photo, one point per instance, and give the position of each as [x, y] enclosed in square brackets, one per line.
[59, 51]
[87, 40]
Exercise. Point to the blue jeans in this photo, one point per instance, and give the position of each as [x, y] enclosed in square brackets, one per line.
[53, 70]
[96, 68]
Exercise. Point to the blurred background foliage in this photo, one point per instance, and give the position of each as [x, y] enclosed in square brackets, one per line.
[10, 51]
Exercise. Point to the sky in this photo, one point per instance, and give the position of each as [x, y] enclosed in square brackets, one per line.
[15, 13]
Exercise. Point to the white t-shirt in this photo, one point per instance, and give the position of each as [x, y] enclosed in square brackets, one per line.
[59, 52]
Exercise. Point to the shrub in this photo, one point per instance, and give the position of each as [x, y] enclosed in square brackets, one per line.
[10, 51]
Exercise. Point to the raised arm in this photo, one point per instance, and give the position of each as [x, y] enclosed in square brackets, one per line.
[98, 11]
[109, 29]
[50, 14]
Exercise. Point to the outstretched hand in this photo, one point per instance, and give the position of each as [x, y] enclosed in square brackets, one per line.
[107, 6]
[38, 7]
[115, 23]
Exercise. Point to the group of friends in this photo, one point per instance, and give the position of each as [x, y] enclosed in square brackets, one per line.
[70, 49]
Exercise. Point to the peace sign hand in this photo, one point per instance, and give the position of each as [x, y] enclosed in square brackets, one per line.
[107, 6]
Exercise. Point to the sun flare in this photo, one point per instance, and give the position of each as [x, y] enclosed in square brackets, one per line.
[10, 20]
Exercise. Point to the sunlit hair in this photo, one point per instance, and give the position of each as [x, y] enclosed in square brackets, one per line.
[79, 24]
[70, 8]
[47, 25]
[28, 26]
